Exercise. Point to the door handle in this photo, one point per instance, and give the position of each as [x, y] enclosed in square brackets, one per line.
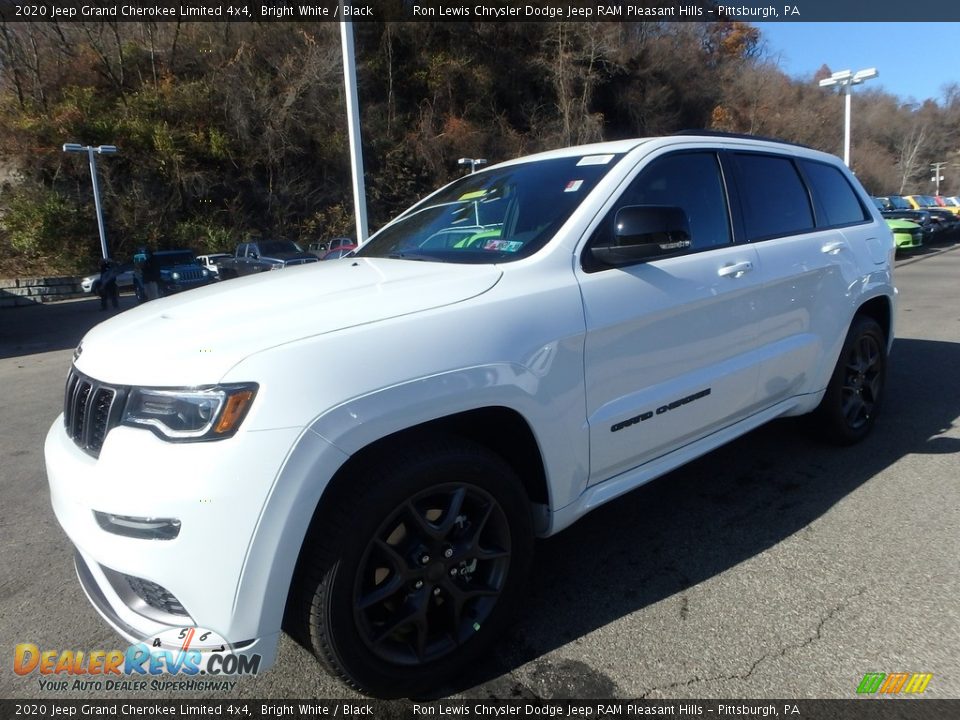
[736, 270]
[832, 248]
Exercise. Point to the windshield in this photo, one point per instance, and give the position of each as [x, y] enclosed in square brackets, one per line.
[899, 203]
[171, 259]
[498, 215]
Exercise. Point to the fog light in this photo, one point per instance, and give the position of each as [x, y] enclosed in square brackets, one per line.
[137, 527]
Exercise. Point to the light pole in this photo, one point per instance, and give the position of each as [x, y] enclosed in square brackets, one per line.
[92, 153]
[846, 79]
[474, 163]
[353, 126]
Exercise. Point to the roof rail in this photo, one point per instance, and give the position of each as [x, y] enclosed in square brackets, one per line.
[737, 136]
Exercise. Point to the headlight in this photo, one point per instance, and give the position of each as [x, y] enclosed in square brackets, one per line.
[190, 414]
[175, 275]
[205, 272]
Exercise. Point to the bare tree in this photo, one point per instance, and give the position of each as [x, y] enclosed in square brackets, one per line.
[909, 163]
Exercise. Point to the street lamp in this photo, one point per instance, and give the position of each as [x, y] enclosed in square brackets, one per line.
[846, 79]
[474, 163]
[92, 153]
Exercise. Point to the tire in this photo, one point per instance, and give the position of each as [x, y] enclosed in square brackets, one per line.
[414, 568]
[854, 396]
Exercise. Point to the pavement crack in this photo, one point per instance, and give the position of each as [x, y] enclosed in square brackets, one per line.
[814, 637]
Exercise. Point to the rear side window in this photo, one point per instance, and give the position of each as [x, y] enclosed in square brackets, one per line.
[835, 199]
[775, 200]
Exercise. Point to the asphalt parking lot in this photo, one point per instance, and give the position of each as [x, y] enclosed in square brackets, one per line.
[775, 567]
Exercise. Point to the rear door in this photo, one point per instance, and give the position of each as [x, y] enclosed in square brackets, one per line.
[671, 343]
[805, 260]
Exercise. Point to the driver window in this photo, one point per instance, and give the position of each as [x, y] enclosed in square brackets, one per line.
[690, 181]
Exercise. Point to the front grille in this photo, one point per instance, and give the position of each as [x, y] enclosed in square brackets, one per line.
[90, 410]
[154, 595]
[191, 275]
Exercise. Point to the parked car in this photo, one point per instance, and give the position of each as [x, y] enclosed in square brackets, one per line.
[339, 252]
[906, 235]
[178, 271]
[91, 283]
[946, 225]
[922, 218]
[325, 246]
[259, 255]
[210, 261]
[627, 319]
[930, 202]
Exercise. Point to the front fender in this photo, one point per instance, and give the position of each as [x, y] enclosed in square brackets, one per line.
[550, 402]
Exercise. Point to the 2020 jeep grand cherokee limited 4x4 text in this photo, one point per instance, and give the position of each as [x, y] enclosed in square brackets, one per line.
[526, 344]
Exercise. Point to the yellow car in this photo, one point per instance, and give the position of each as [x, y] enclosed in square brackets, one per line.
[926, 202]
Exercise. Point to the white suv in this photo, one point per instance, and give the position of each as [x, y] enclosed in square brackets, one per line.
[525, 344]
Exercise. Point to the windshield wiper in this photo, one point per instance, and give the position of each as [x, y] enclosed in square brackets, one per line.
[414, 256]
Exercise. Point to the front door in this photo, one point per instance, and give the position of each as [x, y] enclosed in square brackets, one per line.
[671, 343]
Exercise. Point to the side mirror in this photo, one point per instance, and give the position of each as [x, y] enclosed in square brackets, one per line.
[643, 232]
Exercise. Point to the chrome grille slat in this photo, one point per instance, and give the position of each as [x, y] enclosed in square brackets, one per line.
[80, 410]
[102, 403]
[72, 380]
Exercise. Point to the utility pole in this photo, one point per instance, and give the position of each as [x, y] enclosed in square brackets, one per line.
[937, 168]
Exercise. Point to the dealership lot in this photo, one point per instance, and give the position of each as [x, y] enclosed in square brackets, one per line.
[774, 567]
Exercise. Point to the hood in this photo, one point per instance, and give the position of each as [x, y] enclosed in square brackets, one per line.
[897, 224]
[197, 336]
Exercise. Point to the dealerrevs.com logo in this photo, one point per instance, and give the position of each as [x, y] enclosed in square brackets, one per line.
[189, 652]
[894, 683]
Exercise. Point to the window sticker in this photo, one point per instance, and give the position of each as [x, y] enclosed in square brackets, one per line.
[503, 245]
[475, 195]
[595, 160]
[573, 186]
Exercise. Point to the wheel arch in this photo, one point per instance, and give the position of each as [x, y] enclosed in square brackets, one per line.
[880, 309]
[500, 429]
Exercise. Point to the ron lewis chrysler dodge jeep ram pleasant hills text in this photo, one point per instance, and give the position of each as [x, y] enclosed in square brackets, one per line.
[521, 346]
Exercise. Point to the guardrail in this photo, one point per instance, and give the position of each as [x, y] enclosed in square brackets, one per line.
[27, 291]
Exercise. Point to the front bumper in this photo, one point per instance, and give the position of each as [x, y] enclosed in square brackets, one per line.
[906, 240]
[219, 491]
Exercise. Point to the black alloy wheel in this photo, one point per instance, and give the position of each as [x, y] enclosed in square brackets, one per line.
[414, 564]
[853, 397]
[432, 574]
[863, 381]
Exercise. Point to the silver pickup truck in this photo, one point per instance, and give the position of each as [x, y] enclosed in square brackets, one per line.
[259, 255]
